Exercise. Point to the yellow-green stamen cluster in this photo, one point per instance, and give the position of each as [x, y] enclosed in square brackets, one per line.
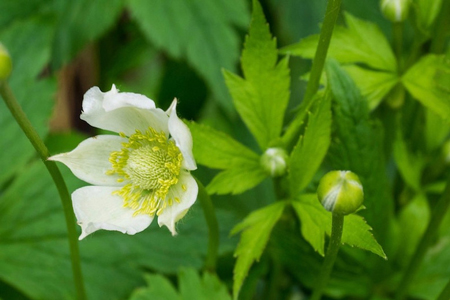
[151, 164]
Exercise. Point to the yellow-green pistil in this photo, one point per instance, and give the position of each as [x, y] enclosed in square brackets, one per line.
[150, 164]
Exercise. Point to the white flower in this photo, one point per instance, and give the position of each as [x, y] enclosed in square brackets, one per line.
[141, 173]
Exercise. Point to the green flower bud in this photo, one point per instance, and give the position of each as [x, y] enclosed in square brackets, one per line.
[274, 161]
[395, 10]
[340, 192]
[5, 63]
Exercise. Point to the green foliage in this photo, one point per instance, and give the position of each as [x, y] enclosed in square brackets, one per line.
[316, 221]
[79, 23]
[413, 220]
[200, 31]
[374, 85]
[427, 81]
[358, 147]
[262, 97]
[256, 229]
[426, 13]
[214, 149]
[311, 148]
[409, 164]
[191, 286]
[359, 42]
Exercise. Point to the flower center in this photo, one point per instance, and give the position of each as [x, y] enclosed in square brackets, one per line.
[151, 164]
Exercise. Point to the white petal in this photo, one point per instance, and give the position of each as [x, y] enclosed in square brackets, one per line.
[113, 100]
[187, 195]
[122, 112]
[182, 136]
[97, 208]
[89, 161]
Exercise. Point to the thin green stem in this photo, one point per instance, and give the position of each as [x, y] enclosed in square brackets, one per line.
[445, 294]
[41, 149]
[213, 228]
[397, 29]
[331, 15]
[330, 257]
[439, 212]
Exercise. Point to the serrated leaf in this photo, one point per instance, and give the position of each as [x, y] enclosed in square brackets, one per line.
[28, 42]
[360, 42]
[424, 81]
[409, 164]
[256, 229]
[218, 150]
[358, 146]
[316, 221]
[374, 85]
[262, 97]
[81, 22]
[201, 31]
[237, 179]
[311, 148]
[215, 149]
[191, 286]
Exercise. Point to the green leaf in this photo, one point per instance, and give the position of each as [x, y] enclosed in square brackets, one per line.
[374, 85]
[436, 130]
[79, 23]
[311, 148]
[28, 43]
[359, 42]
[262, 97]
[427, 81]
[316, 221]
[409, 164]
[159, 288]
[426, 12]
[256, 229]
[358, 146]
[34, 254]
[191, 286]
[413, 221]
[201, 31]
[215, 149]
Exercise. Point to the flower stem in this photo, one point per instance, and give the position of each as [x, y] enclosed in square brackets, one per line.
[330, 257]
[439, 212]
[41, 149]
[213, 227]
[331, 15]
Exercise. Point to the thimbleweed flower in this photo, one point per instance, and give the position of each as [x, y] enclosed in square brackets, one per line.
[137, 175]
[274, 161]
[340, 192]
[5, 63]
[395, 10]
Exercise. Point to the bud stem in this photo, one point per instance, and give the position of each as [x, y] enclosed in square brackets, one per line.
[337, 227]
[331, 15]
[41, 149]
[436, 218]
[213, 227]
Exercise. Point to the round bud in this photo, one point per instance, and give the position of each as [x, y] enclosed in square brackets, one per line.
[395, 10]
[340, 192]
[274, 161]
[5, 63]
